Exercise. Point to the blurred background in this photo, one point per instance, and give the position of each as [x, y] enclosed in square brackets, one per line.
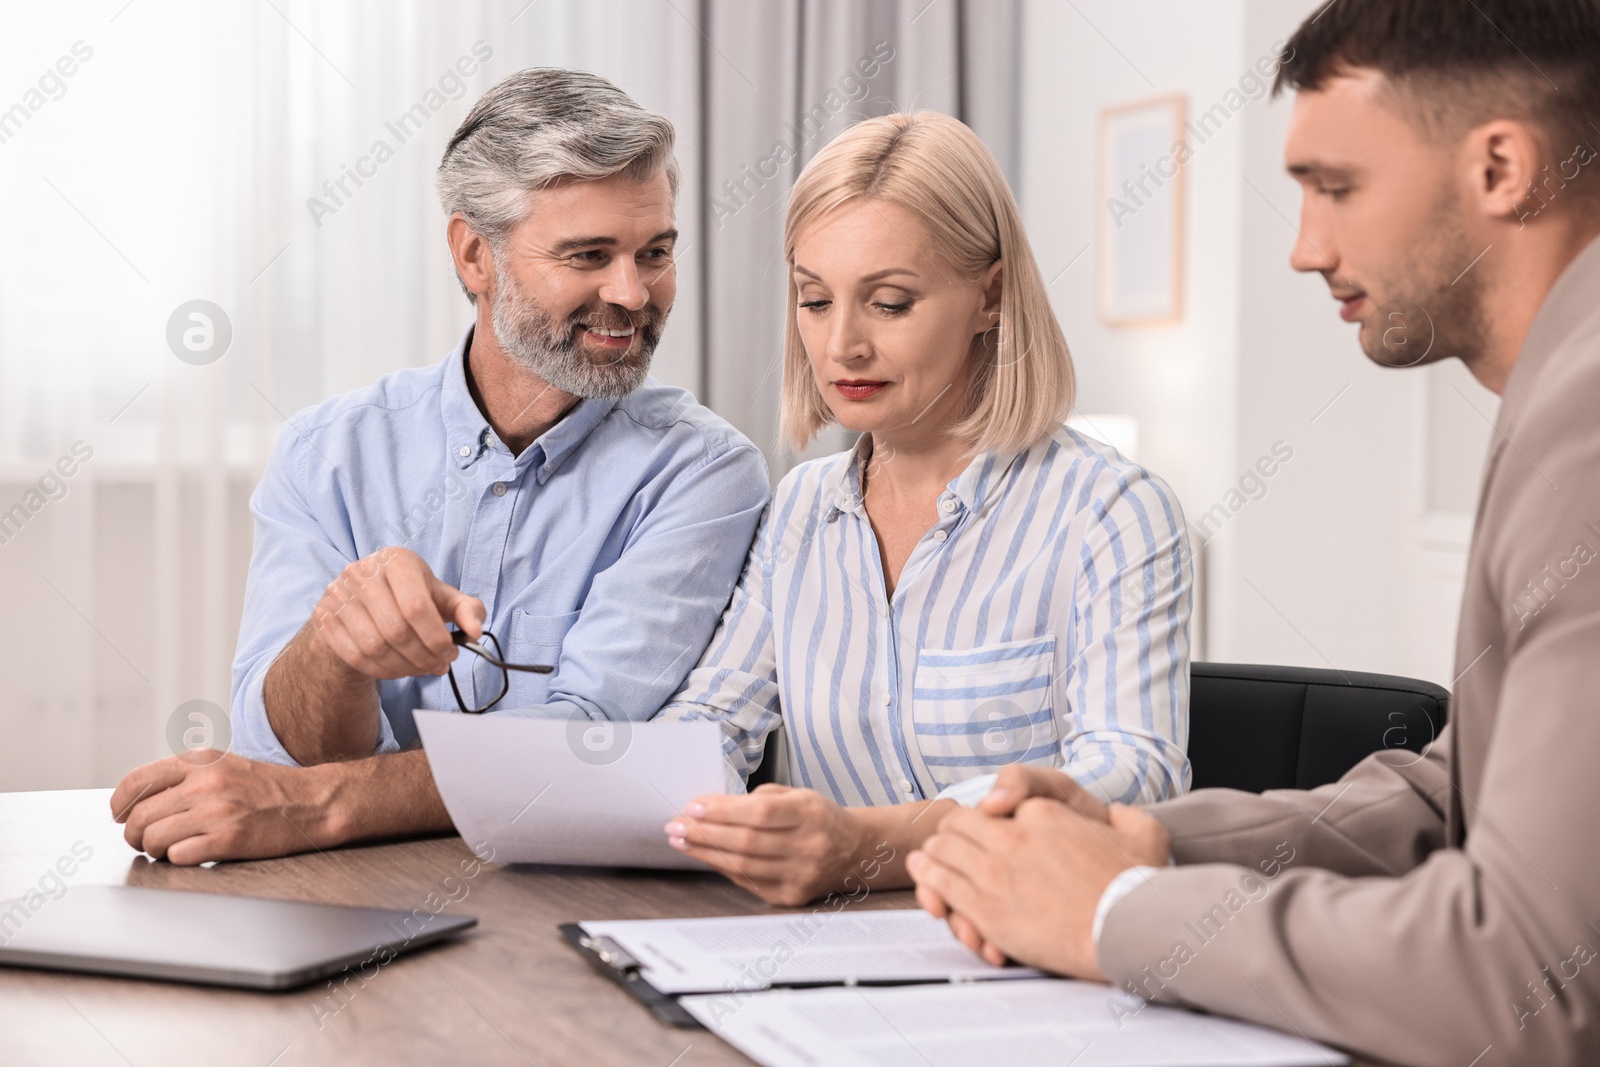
[154, 153]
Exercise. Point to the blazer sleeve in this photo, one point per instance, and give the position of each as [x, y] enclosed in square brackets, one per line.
[1384, 817]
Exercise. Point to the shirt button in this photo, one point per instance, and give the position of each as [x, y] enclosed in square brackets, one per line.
[499, 488]
[464, 451]
[888, 700]
[939, 535]
[906, 787]
[947, 506]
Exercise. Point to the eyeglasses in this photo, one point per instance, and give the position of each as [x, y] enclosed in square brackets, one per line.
[493, 654]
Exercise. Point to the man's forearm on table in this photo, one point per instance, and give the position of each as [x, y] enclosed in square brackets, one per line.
[319, 708]
[382, 796]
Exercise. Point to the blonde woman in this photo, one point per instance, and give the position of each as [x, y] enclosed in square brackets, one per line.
[974, 584]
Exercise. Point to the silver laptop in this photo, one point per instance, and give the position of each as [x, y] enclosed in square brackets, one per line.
[210, 938]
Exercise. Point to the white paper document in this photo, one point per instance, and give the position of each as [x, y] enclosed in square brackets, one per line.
[820, 945]
[594, 794]
[1039, 1023]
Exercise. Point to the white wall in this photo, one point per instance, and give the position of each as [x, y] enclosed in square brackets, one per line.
[1320, 568]
[1353, 556]
[1177, 381]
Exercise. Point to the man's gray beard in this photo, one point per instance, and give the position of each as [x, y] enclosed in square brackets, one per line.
[554, 350]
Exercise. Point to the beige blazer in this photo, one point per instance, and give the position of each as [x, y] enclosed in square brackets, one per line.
[1439, 909]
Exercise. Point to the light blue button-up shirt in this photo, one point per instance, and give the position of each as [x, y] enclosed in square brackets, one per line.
[608, 548]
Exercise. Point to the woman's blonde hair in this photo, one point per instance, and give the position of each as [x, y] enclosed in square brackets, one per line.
[936, 168]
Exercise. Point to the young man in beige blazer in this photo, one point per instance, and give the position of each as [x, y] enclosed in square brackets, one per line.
[1440, 910]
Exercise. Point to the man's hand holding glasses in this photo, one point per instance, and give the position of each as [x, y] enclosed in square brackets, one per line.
[388, 616]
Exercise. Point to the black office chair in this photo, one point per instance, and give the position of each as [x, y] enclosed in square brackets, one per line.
[1255, 727]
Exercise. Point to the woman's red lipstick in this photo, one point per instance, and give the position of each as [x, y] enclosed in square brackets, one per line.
[858, 390]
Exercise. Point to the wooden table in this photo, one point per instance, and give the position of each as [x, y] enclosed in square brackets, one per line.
[509, 992]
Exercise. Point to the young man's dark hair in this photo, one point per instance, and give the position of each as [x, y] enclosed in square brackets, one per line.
[1453, 66]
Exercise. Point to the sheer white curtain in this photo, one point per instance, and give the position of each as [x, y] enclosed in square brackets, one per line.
[274, 159]
[122, 171]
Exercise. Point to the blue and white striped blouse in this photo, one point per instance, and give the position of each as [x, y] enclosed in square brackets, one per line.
[1043, 619]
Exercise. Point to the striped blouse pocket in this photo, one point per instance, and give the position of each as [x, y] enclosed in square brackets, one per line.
[977, 709]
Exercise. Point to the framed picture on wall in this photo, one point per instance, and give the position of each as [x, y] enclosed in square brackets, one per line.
[1142, 156]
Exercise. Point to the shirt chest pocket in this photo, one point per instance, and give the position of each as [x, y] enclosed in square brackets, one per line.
[535, 639]
[977, 709]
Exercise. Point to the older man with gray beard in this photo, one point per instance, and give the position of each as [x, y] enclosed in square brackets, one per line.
[536, 491]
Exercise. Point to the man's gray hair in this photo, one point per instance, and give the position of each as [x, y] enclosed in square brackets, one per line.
[539, 126]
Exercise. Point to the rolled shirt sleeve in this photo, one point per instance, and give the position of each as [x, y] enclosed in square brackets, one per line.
[300, 547]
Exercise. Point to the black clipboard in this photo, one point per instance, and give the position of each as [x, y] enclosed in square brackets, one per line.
[613, 961]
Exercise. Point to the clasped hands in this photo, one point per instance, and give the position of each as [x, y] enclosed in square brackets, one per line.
[1020, 876]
